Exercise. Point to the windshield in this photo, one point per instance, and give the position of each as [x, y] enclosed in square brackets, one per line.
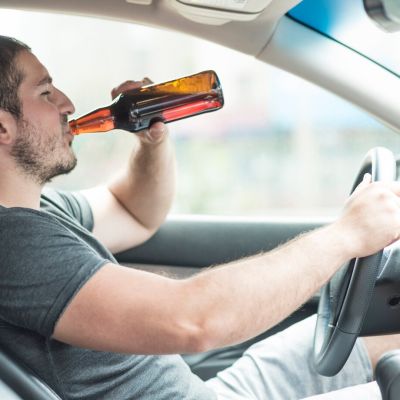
[347, 22]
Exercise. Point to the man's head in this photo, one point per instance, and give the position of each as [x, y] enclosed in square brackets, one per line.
[34, 129]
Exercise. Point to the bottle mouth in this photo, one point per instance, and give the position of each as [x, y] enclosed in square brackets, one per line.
[73, 127]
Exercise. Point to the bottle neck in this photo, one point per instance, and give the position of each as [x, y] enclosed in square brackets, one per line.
[100, 120]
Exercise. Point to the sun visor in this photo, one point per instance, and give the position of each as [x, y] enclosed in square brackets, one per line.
[218, 12]
[140, 2]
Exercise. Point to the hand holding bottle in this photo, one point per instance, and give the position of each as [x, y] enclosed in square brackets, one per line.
[158, 130]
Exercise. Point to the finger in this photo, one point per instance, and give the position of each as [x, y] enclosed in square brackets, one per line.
[393, 186]
[126, 86]
[147, 81]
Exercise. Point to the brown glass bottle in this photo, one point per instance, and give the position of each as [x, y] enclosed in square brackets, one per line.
[137, 109]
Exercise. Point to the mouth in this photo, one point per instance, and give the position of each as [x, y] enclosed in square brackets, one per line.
[69, 135]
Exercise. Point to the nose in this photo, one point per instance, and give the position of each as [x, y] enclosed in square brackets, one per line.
[64, 104]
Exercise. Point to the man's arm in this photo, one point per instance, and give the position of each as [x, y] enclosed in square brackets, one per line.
[124, 310]
[132, 207]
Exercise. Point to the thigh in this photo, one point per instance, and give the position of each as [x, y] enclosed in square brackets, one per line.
[281, 367]
[367, 391]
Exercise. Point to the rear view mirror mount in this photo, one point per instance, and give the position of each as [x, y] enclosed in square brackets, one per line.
[385, 13]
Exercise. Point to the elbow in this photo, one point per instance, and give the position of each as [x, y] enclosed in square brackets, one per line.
[195, 322]
[196, 340]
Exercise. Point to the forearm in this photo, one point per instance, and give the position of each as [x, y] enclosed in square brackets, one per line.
[243, 299]
[146, 189]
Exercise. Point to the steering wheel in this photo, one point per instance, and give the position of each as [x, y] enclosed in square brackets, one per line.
[345, 298]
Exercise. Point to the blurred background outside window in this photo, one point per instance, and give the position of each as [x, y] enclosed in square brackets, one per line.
[279, 147]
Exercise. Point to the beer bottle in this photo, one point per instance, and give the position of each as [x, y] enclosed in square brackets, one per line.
[137, 109]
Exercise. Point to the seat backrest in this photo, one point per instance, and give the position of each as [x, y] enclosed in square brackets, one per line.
[22, 381]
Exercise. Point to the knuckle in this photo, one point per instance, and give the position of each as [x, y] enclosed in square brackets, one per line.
[382, 194]
[387, 204]
[129, 84]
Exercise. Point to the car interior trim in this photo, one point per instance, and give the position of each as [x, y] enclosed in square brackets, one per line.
[316, 59]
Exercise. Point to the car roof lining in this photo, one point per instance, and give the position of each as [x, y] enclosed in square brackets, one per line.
[247, 37]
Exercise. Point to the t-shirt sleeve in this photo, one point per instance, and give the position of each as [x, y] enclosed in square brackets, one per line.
[43, 265]
[74, 204]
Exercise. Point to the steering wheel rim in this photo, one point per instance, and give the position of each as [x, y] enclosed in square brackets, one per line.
[346, 297]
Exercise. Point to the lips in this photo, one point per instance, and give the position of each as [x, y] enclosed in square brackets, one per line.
[69, 135]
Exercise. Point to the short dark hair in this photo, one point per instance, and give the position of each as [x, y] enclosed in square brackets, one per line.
[10, 76]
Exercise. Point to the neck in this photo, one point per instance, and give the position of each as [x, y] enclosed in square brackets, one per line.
[19, 190]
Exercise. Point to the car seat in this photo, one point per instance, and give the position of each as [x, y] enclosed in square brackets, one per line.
[387, 374]
[22, 381]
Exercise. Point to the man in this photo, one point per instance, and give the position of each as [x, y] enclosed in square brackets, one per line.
[93, 329]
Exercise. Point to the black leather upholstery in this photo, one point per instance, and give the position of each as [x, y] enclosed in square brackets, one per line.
[22, 381]
[387, 374]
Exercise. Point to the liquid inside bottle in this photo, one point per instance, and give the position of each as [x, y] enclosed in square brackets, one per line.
[137, 109]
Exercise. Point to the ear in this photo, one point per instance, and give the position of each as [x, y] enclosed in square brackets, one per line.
[8, 127]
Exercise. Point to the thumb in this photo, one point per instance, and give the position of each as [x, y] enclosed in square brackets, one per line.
[153, 135]
[367, 178]
[157, 132]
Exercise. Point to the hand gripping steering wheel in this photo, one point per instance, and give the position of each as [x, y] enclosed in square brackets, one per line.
[345, 298]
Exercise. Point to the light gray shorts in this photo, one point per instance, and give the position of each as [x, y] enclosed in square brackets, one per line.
[281, 368]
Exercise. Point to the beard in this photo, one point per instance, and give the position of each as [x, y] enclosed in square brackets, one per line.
[42, 157]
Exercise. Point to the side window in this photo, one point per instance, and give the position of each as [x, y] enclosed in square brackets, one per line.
[280, 146]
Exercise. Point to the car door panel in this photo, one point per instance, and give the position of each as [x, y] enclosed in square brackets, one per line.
[185, 245]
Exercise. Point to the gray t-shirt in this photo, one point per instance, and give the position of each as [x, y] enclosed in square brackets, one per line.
[46, 257]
